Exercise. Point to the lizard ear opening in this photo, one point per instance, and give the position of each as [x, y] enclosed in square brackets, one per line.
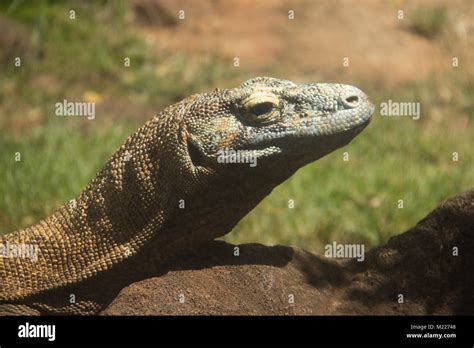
[196, 156]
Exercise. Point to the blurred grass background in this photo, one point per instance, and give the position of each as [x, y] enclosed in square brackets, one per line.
[348, 201]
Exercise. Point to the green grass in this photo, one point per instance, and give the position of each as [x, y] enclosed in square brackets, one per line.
[353, 201]
[82, 55]
[429, 21]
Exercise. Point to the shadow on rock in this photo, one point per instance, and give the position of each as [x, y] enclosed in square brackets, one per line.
[426, 270]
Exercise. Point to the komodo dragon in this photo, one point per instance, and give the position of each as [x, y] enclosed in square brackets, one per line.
[169, 188]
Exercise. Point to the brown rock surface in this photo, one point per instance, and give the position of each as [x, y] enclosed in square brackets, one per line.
[419, 264]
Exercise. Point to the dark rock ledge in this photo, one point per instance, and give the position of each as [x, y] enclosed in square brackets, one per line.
[419, 264]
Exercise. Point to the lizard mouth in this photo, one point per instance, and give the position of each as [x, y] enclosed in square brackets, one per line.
[356, 130]
[306, 141]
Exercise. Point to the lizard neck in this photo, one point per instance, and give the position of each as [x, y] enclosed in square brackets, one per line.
[113, 217]
[214, 209]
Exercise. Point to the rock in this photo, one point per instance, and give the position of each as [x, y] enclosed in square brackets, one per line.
[430, 266]
[14, 41]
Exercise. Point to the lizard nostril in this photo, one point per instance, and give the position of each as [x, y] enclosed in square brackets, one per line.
[351, 101]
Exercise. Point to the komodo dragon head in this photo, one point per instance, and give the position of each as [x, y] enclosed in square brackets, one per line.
[270, 120]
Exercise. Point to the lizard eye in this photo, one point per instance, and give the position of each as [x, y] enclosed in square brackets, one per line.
[262, 108]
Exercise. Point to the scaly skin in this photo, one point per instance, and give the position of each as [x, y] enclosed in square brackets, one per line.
[165, 192]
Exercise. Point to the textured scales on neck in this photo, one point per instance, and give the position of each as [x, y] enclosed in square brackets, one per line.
[167, 189]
